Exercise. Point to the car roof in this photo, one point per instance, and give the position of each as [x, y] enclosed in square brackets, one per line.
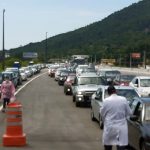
[107, 69]
[15, 68]
[7, 72]
[88, 75]
[143, 77]
[117, 87]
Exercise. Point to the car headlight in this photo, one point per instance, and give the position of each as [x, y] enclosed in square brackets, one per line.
[80, 93]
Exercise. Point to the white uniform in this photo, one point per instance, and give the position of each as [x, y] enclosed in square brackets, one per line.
[114, 111]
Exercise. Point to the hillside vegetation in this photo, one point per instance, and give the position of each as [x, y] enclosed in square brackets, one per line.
[116, 36]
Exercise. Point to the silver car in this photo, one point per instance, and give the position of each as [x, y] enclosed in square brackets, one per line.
[84, 86]
[99, 96]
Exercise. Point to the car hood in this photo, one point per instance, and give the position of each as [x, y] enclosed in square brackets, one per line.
[88, 87]
[144, 91]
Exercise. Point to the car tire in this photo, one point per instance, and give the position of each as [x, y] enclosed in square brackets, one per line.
[92, 115]
[66, 93]
[77, 104]
[101, 125]
[143, 146]
[73, 98]
[129, 147]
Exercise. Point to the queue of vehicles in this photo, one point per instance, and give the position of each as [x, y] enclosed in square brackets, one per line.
[18, 75]
[88, 86]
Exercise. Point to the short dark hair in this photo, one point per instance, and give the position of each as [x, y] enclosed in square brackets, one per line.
[111, 89]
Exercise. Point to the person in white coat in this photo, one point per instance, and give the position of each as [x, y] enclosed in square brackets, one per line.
[114, 112]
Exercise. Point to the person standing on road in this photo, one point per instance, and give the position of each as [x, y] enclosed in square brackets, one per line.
[7, 91]
[114, 112]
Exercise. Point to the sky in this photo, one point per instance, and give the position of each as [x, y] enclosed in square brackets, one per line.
[28, 21]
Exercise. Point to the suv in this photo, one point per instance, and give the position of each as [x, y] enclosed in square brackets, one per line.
[142, 85]
[17, 74]
[84, 86]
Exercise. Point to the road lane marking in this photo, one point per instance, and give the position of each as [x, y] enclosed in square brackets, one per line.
[25, 86]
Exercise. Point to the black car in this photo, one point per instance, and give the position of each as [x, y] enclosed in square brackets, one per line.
[17, 74]
[11, 75]
[139, 124]
[68, 83]
[62, 77]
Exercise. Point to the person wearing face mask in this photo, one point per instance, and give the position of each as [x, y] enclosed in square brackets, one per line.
[7, 91]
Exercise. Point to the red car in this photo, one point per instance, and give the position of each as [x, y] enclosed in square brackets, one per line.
[68, 83]
[123, 79]
[52, 70]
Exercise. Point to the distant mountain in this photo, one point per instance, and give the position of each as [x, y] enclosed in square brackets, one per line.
[117, 35]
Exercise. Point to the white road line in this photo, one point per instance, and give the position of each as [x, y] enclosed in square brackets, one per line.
[25, 86]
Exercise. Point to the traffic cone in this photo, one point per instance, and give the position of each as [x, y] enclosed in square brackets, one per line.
[14, 135]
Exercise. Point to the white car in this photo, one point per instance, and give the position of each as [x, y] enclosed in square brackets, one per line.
[142, 85]
[23, 74]
[99, 96]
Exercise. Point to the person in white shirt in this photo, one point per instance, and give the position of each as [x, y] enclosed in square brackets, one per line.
[114, 112]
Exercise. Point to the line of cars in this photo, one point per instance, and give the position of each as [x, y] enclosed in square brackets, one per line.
[89, 86]
[18, 75]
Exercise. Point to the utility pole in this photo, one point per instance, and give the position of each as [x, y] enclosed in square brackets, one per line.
[120, 60]
[46, 49]
[130, 60]
[3, 54]
[95, 59]
[144, 59]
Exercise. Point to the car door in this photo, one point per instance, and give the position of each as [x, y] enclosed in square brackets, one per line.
[98, 103]
[74, 86]
[15, 80]
[135, 83]
[134, 126]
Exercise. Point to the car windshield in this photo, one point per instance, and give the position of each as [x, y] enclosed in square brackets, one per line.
[7, 75]
[128, 93]
[145, 82]
[126, 78]
[70, 78]
[89, 70]
[90, 80]
[21, 71]
[63, 73]
[147, 112]
[111, 74]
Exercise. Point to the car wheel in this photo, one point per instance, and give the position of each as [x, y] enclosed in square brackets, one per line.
[101, 125]
[92, 115]
[129, 147]
[143, 146]
[66, 93]
[77, 104]
[73, 98]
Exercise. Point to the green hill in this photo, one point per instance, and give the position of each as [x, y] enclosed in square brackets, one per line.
[116, 36]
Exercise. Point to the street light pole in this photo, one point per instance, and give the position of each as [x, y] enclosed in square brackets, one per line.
[3, 56]
[46, 49]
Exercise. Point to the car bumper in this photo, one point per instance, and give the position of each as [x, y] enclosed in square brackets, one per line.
[82, 98]
[147, 146]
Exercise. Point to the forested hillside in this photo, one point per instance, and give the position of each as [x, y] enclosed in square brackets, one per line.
[116, 36]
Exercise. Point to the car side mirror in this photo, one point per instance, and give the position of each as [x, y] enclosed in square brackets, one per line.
[73, 84]
[136, 85]
[97, 97]
[133, 118]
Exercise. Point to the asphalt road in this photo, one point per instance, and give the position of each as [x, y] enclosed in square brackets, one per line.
[51, 120]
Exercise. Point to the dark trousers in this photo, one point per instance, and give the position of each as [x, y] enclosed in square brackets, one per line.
[109, 147]
[6, 101]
